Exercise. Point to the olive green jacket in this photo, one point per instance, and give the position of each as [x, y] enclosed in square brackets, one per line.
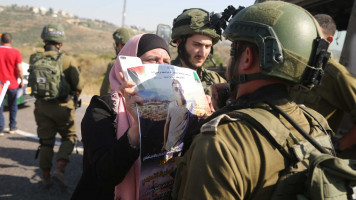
[105, 85]
[234, 160]
[335, 95]
[207, 77]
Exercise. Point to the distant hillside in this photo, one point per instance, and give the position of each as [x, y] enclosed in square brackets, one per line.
[90, 42]
[83, 35]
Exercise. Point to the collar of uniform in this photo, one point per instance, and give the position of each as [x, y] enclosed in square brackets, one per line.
[51, 53]
[276, 92]
[332, 61]
[202, 73]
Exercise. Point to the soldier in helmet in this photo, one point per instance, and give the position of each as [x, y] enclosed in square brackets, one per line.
[121, 36]
[235, 156]
[336, 95]
[194, 38]
[57, 113]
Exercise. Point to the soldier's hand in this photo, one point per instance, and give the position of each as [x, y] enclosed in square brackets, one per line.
[217, 89]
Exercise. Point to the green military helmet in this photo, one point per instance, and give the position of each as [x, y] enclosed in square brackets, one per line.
[53, 32]
[193, 21]
[285, 34]
[122, 35]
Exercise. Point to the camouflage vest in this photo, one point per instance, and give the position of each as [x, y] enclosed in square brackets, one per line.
[46, 78]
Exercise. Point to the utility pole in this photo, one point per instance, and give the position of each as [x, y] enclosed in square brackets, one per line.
[124, 14]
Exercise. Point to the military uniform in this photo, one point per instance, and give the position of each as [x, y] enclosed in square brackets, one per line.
[105, 86]
[120, 36]
[234, 160]
[257, 154]
[196, 21]
[57, 115]
[335, 95]
[207, 77]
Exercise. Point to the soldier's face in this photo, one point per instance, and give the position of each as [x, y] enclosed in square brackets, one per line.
[156, 56]
[198, 48]
[118, 47]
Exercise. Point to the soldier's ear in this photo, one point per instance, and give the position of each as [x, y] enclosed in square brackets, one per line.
[246, 59]
[330, 38]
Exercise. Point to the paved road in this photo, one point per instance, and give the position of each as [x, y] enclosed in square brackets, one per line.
[20, 177]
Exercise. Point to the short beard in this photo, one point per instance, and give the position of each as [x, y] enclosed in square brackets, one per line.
[185, 56]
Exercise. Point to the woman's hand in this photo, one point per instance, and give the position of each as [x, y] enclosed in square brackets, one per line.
[131, 95]
[211, 106]
[132, 98]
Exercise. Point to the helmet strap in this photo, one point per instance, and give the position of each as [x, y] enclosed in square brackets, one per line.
[243, 78]
[232, 80]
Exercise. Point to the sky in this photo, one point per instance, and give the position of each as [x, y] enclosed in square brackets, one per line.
[142, 13]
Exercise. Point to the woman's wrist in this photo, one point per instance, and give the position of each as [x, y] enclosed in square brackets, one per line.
[134, 135]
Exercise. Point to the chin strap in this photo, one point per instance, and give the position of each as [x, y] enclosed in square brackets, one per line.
[243, 78]
[232, 82]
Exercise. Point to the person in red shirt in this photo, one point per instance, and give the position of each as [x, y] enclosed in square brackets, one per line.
[11, 70]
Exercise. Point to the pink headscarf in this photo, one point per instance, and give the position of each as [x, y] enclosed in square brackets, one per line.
[128, 188]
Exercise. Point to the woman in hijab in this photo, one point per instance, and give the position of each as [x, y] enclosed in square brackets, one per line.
[110, 132]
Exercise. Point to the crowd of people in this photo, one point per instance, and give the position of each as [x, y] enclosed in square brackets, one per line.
[243, 150]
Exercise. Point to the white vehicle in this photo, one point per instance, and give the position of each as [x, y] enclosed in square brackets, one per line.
[23, 94]
[164, 31]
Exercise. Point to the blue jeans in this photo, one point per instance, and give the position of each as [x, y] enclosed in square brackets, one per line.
[12, 104]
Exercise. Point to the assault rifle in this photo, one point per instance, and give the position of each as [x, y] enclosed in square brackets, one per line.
[77, 101]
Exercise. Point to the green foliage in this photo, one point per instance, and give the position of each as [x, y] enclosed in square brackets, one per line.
[106, 56]
[39, 45]
[93, 70]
